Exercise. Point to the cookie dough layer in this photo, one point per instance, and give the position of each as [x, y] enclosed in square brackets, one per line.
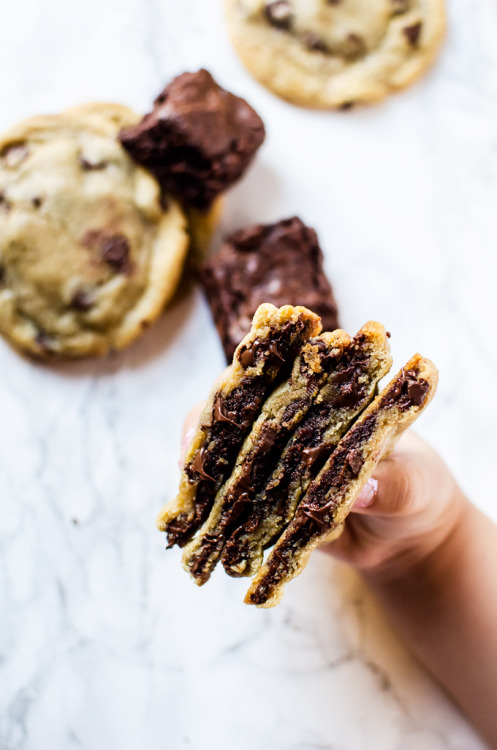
[264, 358]
[88, 254]
[320, 516]
[349, 388]
[281, 413]
[334, 54]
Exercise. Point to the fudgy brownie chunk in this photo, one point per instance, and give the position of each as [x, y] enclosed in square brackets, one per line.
[198, 139]
[279, 263]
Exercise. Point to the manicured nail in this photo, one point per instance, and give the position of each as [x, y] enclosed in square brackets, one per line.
[367, 494]
[185, 442]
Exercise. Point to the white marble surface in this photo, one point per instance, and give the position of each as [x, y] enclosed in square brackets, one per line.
[104, 641]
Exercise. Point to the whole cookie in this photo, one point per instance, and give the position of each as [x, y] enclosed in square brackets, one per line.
[89, 252]
[336, 53]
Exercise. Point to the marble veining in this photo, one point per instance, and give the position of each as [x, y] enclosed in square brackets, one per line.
[104, 641]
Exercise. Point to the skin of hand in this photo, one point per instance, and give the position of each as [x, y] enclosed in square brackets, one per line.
[403, 514]
[430, 557]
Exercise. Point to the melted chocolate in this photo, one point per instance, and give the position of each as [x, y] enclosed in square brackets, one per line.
[413, 33]
[313, 455]
[218, 413]
[407, 390]
[249, 354]
[197, 465]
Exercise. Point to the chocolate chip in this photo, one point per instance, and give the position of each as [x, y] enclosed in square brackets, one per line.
[268, 439]
[45, 342]
[114, 249]
[115, 252]
[322, 516]
[36, 202]
[81, 300]
[279, 14]
[313, 455]
[248, 354]
[400, 6]
[408, 390]
[4, 203]
[417, 391]
[14, 154]
[355, 45]
[278, 555]
[355, 462]
[274, 353]
[346, 106]
[412, 33]
[313, 42]
[389, 335]
[197, 465]
[218, 413]
[89, 166]
[2, 273]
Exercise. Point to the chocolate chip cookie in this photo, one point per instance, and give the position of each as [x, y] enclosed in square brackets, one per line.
[336, 53]
[89, 250]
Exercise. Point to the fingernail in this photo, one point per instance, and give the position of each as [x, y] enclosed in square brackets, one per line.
[185, 442]
[367, 494]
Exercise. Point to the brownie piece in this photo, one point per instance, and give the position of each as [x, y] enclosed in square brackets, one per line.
[279, 263]
[198, 139]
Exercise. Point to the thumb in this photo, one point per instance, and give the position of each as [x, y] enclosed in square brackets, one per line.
[401, 482]
[189, 427]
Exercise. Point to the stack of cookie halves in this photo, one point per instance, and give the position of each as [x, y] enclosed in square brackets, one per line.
[284, 444]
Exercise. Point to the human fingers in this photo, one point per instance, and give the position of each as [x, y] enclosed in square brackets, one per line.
[189, 427]
[404, 481]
